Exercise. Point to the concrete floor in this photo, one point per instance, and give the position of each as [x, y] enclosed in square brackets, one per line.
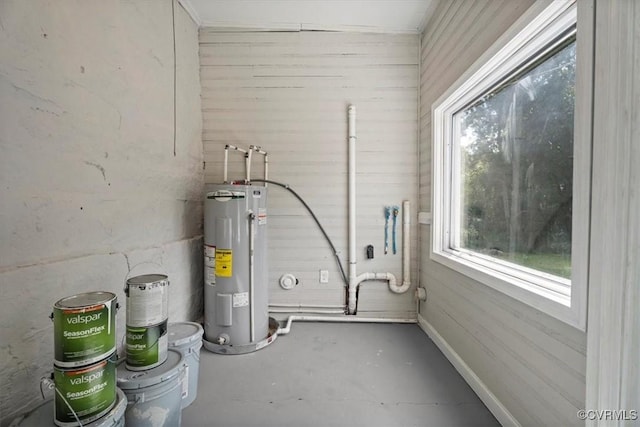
[336, 374]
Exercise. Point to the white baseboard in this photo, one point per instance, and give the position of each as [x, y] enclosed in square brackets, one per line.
[498, 410]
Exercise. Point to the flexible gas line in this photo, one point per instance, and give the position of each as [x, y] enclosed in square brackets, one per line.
[333, 248]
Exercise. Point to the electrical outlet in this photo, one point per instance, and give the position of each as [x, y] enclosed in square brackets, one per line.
[324, 276]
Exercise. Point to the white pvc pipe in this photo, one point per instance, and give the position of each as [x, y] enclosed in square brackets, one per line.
[252, 218]
[351, 299]
[226, 162]
[259, 150]
[406, 250]
[306, 310]
[248, 160]
[266, 168]
[347, 319]
[354, 279]
[296, 305]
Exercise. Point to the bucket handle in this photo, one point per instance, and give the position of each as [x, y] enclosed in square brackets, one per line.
[47, 381]
[128, 275]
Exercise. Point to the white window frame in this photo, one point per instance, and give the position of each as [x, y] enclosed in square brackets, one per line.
[561, 298]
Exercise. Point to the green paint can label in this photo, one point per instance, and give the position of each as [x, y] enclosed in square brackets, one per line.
[84, 394]
[146, 347]
[84, 328]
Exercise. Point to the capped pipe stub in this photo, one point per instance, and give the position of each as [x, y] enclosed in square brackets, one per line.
[288, 281]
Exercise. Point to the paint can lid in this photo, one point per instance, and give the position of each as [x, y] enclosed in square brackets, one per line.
[182, 333]
[147, 279]
[171, 368]
[85, 299]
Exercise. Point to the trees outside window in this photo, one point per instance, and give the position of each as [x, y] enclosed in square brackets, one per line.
[516, 167]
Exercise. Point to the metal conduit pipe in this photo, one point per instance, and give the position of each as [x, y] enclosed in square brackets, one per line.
[347, 319]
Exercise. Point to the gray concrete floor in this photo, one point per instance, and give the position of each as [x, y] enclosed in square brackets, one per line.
[335, 374]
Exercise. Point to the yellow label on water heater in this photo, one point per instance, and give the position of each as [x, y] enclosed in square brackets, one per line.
[224, 260]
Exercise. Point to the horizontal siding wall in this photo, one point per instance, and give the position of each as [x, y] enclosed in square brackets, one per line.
[288, 93]
[533, 364]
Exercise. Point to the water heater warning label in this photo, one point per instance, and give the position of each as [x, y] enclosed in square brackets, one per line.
[224, 261]
[210, 264]
[240, 299]
[262, 216]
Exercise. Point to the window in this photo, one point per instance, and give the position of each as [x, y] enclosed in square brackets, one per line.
[505, 168]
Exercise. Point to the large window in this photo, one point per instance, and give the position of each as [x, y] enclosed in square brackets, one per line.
[504, 149]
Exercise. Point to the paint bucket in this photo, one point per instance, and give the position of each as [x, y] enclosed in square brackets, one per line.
[186, 337]
[147, 300]
[42, 416]
[84, 328]
[146, 346]
[155, 395]
[84, 393]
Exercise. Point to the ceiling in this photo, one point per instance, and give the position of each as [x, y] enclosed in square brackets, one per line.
[396, 16]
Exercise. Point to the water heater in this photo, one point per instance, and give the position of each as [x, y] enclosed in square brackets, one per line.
[236, 309]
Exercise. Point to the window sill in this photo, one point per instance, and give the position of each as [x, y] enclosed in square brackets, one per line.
[516, 284]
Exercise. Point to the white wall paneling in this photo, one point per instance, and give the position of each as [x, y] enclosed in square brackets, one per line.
[613, 376]
[288, 93]
[530, 367]
[91, 190]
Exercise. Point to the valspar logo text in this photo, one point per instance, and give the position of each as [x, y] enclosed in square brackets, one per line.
[86, 379]
[132, 336]
[83, 319]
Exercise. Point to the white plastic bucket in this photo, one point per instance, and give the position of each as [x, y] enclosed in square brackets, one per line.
[155, 395]
[186, 337]
[43, 415]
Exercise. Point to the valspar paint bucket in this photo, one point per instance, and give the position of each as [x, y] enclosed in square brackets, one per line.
[147, 314]
[146, 346]
[155, 395]
[84, 328]
[42, 416]
[147, 300]
[84, 394]
[186, 337]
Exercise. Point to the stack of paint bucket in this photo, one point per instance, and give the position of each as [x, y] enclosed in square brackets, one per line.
[85, 358]
[147, 318]
[152, 375]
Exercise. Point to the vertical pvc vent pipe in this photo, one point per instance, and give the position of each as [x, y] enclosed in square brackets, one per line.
[354, 278]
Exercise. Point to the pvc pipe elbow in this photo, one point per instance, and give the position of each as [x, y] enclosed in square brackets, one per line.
[351, 306]
[400, 289]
